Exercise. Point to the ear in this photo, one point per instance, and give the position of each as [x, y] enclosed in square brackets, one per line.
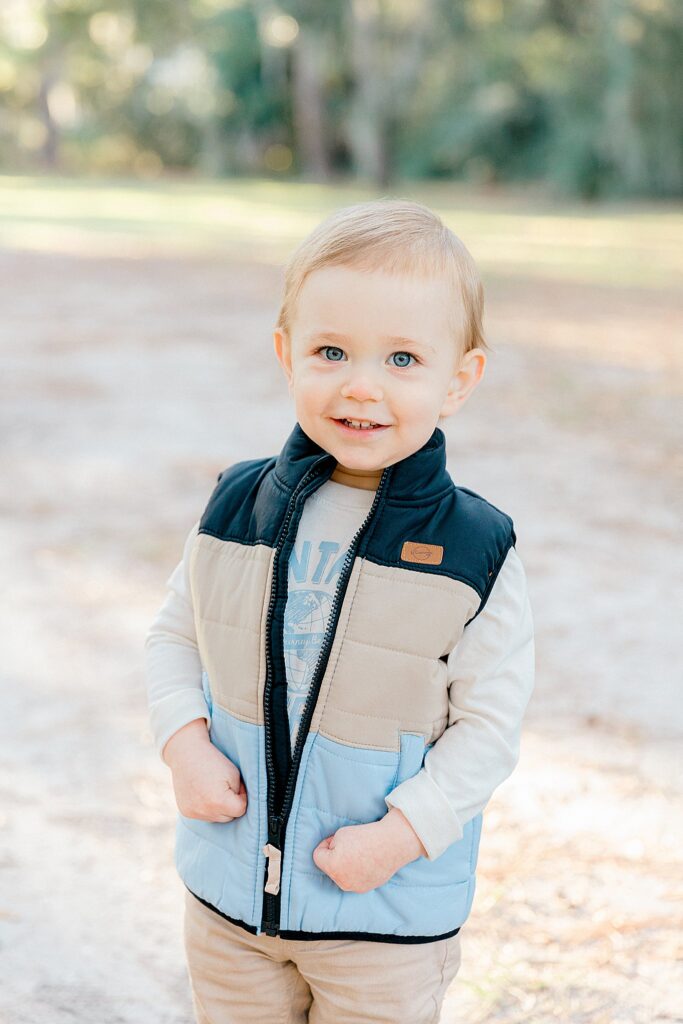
[465, 380]
[283, 351]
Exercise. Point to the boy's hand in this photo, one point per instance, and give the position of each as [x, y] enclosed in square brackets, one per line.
[359, 858]
[207, 785]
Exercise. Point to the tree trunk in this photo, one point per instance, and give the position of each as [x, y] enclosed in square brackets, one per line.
[308, 99]
[365, 128]
[49, 151]
[387, 53]
[621, 137]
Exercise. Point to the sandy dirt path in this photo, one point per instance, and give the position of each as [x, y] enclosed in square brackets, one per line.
[127, 385]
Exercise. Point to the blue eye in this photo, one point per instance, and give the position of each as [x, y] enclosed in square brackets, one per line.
[402, 365]
[331, 348]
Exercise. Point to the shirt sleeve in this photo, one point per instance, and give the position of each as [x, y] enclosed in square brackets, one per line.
[490, 682]
[175, 695]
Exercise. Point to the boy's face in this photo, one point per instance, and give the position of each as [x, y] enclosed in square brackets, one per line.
[372, 346]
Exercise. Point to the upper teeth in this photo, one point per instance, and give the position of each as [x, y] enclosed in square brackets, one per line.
[361, 423]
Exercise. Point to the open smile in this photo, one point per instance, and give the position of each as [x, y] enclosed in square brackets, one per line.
[360, 428]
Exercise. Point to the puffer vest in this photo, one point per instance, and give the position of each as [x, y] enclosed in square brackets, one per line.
[419, 569]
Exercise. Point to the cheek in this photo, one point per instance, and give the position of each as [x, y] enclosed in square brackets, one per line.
[418, 399]
[312, 388]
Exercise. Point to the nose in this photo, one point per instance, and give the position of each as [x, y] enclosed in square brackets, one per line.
[362, 387]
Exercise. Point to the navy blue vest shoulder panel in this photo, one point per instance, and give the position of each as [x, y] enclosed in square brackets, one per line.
[245, 505]
[474, 535]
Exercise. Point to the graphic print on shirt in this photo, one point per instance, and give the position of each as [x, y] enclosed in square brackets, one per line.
[313, 577]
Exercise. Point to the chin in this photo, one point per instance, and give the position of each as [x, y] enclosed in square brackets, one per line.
[362, 465]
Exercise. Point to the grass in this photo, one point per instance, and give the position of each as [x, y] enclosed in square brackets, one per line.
[512, 235]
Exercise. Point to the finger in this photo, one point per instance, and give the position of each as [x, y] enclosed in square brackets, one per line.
[239, 793]
[215, 816]
[236, 793]
[236, 807]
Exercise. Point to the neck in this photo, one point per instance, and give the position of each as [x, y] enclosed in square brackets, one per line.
[368, 479]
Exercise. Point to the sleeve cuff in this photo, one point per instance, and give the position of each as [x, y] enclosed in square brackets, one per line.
[174, 711]
[428, 811]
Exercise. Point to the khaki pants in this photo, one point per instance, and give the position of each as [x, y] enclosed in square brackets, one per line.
[237, 977]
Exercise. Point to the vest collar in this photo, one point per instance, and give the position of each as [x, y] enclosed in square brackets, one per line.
[416, 479]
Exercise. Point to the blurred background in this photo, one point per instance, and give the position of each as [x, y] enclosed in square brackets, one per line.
[584, 95]
[158, 163]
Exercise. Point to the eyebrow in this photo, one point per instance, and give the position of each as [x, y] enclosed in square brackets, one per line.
[395, 339]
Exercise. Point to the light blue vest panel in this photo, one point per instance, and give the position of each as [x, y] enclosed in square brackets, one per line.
[223, 862]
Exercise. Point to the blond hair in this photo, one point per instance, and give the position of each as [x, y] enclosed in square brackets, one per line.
[398, 236]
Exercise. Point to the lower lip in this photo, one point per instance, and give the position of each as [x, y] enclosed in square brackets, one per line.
[353, 432]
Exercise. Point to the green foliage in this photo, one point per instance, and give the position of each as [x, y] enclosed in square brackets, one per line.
[581, 94]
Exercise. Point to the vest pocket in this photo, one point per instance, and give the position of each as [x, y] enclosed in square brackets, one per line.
[220, 861]
[341, 785]
[338, 785]
[207, 690]
[456, 863]
[412, 756]
[348, 783]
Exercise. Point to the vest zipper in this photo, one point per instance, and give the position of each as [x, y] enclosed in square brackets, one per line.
[273, 848]
[277, 822]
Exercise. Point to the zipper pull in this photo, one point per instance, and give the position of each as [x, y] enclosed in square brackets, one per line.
[274, 854]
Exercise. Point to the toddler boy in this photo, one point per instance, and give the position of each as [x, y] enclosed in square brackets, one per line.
[339, 672]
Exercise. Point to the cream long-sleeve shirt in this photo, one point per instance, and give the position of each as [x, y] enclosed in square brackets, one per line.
[490, 671]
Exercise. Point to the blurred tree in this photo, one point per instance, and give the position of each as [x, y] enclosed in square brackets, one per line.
[584, 94]
[315, 28]
[389, 47]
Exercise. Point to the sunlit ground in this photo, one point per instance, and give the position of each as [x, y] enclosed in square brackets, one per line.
[137, 361]
[525, 236]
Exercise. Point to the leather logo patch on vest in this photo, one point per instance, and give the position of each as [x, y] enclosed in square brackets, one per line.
[427, 554]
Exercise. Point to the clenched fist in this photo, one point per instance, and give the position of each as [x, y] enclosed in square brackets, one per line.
[359, 858]
[207, 785]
